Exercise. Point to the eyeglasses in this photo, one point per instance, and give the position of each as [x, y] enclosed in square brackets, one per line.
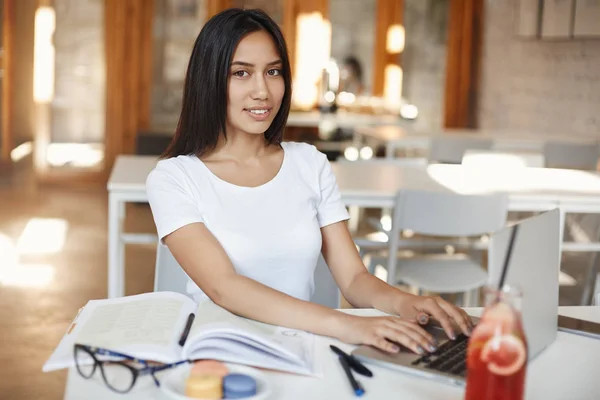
[118, 375]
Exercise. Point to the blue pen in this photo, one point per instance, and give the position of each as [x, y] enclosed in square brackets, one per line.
[356, 386]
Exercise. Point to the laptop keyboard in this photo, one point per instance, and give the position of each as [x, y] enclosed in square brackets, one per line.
[451, 357]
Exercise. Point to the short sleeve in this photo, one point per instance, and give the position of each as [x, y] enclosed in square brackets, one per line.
[330, 209]
[170, 199]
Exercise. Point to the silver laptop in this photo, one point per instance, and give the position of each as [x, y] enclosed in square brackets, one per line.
[534, 267]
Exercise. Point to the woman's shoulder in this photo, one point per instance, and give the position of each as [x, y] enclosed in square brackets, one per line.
[305, 151]
[173, 169]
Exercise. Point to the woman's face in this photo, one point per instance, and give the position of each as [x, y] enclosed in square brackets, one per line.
[256, 86]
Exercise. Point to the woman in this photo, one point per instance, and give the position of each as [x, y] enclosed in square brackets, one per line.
[246, 215]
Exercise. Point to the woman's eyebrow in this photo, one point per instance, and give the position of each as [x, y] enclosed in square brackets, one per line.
[247, 64]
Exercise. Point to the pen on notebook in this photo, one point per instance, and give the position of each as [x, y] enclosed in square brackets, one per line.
[356, 386]
[186, 330]
[352, 361]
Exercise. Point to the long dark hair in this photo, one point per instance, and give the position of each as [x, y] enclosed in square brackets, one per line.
[204, 110]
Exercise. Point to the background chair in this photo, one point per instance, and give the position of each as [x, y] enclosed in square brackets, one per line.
[440, 215]
[579, 227]
[450, 148]
[571, 155]
[502, 159]
[169, 276]
[357, 213]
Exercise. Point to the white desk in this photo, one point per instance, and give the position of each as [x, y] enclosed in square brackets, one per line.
[568, 369]
[375, 185]
[398, 137]
[342, 119]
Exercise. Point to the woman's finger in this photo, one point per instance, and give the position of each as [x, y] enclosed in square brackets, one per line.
[431, 307]
[413, 342]
[415, 332]
[383, 344]
[458, 315]
[423, 318]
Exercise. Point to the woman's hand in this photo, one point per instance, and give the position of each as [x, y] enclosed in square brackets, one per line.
[420, 308]
[380, 332]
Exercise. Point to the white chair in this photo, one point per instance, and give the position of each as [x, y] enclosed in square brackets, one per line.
[450, 148]
[571, 155]
[582, 156]
[169, 276]
[441, 214]
[356, 213]
[498, 159]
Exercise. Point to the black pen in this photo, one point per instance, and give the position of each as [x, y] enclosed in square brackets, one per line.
[356, 386]
[186, 330]
[352, 361]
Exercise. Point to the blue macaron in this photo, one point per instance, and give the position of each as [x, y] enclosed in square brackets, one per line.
[238, 386]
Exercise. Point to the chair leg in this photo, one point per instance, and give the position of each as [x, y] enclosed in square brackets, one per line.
[589, 283]
[355, 214]
[471, 298]
[460, 299]
[371, 265]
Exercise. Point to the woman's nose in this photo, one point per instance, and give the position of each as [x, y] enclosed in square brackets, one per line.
[259, 90]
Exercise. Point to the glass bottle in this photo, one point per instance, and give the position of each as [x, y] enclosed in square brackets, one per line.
[497, 350]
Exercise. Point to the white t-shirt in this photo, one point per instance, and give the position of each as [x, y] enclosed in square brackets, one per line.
[271, 232]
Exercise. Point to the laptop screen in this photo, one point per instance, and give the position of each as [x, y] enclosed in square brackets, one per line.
[534, 268]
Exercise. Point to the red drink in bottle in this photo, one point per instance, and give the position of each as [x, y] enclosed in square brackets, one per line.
[497, 351]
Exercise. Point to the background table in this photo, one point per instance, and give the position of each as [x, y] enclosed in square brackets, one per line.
[376, 185]
[568, 369]
[395, 137]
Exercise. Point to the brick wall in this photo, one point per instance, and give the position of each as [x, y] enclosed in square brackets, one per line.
[534, 85]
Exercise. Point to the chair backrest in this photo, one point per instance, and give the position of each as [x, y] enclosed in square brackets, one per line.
[571, 155]
[444, 214]
[449, 214]
[450, 148]
[502, 159]
[169, 276]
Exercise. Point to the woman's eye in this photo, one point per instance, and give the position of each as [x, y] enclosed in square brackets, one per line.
[274, 72]
[241, 73]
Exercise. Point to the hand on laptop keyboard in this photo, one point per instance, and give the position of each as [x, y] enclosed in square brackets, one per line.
[413, 307]
[380, 332]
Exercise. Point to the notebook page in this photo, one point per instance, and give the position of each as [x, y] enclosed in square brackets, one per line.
[142, 322]
[147, 326]
[214, 322]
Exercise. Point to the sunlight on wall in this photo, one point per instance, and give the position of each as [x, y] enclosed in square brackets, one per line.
[43, 55]
[392, 90]
[394, 43]
[43, 236]
[15, 273]
[313, 45]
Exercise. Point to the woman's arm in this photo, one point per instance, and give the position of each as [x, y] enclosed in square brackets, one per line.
[362, 289]
[212, 270]
[216, 276]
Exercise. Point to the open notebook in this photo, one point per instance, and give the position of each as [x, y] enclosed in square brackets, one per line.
[149, 326]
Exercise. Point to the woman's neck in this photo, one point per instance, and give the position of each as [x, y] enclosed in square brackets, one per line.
[240, 147]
